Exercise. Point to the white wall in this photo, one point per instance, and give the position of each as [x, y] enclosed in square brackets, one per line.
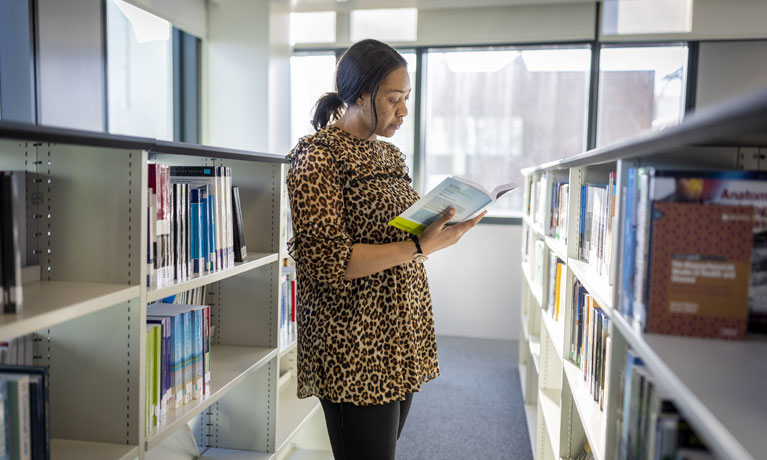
[475, 284]
[731, 68]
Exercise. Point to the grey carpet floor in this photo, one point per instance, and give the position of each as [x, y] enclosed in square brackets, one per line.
[473, 411]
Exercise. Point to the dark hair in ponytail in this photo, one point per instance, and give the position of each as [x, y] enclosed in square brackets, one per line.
[359, 71]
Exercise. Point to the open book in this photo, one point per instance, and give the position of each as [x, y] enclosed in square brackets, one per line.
[467, 197]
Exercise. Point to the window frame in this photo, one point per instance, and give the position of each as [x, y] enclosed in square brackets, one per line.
[595, 46]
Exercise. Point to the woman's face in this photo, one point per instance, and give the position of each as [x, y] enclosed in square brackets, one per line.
[390, 102]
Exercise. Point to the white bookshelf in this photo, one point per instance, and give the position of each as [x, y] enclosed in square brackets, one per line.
[294, 413]
[718, 386]
[89, 308]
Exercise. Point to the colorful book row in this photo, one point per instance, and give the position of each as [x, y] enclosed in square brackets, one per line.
[288, 331]
[597, 213]
[24, 413]
[194, 222]
[178, 358]
[590, 342]
[695, 252]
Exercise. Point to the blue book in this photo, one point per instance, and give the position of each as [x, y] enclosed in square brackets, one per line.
[205, 226]
[20, 436]
[629, 247]
[195, 230]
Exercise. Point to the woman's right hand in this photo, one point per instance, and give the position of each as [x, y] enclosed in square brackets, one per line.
[439, 235]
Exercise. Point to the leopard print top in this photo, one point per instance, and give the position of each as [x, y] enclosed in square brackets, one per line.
[368, 340]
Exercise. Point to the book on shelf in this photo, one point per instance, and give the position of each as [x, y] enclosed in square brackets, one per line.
[467, 198]
[288, 331]
[596, 216]
[19, 440]
[11, 237]
[560, 192]
[649, 186]
[590, 342]
[37, 405]
[240, 248]
[648, 423]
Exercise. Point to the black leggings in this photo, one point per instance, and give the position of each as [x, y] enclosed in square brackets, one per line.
[365, 432]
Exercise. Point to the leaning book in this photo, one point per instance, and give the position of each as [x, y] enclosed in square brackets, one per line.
[467, 197]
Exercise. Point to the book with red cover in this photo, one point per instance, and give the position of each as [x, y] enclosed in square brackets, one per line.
[700, 258]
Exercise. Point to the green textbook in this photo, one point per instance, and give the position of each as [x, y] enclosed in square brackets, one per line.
[467, 197]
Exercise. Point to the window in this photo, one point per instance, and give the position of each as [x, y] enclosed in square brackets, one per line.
[139, 63]
[640, 89]
[404, 139]
[311, 76]
[491, 111]
[387, 25]
[313, 27]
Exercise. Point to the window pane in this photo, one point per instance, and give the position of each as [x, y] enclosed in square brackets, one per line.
[310, 77]
[393, 24]
[139, 62]
[490, 112]
[640, 89]
[314, 27]
[404, 138]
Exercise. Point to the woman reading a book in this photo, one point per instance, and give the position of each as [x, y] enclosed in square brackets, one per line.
[365, 325]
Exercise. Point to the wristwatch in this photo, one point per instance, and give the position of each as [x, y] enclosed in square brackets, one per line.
[418, 255]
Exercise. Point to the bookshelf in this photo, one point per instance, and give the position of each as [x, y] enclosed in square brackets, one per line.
[716, 385]
[88, 235]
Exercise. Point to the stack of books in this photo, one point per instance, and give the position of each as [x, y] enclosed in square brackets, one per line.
[557, 282]
[178, 358]
[695, 252]
[194, 222]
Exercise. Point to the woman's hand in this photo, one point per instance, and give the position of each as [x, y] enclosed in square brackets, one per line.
[439, 235]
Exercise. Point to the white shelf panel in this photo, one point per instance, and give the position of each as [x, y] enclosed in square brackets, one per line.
[257, 259]
[593, 420]
[522, 371]
[598, 286]
[229, 365]
[718, 385]
[288, 348]
[230, 454]
[47, 303]
[531, 417]
[536, 289]
[292, 413]
[305, 454]
[67, 449]
[548, 399]
[535, 351]
[536, 227]
[558, 247]
[556, 331]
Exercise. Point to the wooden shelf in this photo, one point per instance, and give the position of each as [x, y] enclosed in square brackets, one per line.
[718, 385]
[597, 285]
[258, 259]
[47, 303]
[229, 365]
[593, 419]
[67, 449]
[230, 454]
[292, 413]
